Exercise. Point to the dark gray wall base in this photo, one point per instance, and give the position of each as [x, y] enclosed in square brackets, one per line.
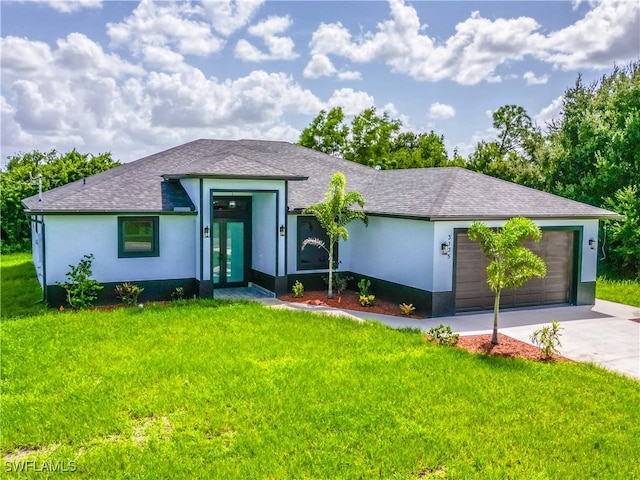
[443, 304]
[205, 289]
[154, 290]
[264, 280]
[586, 293]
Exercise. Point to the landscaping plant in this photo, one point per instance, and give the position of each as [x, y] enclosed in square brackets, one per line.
[298, 289]
[81, 289]
[443, 335]
[365, 298]
[511, 264]
[407, 309]
[334, 214]
[548, 339]
[128, 293]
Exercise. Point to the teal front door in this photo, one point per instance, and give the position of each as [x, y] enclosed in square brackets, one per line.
[231, 241]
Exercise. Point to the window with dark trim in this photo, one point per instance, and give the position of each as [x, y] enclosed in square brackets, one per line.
[312, 257]
[138, 237]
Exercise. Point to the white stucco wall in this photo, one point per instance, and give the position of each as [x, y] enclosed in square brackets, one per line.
[192, 187]
[393, 249]
[37, 240]
[443, 266]
[264, 232]
[69, 237]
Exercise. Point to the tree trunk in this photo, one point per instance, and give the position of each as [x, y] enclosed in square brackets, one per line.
[330, 292]
[496, 308]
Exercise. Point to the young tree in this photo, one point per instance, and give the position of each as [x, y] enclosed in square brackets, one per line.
[334, 214]
[511, 264]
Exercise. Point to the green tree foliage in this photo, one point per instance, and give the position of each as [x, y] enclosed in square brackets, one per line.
[371, 138]
[511, 264]
[512, 156]
[19, 181]
[592, 154]
[334, 214]
[375, 140]
[327, 133]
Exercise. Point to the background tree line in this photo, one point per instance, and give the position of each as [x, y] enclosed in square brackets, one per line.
[590, 153]
[20, 180]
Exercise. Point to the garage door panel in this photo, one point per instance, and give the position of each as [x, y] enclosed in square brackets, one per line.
[473, 292]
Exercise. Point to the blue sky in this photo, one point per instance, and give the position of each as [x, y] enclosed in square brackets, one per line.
[136, 78]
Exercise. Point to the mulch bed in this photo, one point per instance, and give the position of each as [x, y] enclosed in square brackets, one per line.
[349, 300]
[507, 347]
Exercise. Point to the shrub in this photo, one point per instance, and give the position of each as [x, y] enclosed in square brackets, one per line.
[81, 289]
[128, 293]
[178, 293]
[363, 287]
[407, 309]
[298, 289]
[442, 335]
[340, 280]
[367, 300]
[547, 339]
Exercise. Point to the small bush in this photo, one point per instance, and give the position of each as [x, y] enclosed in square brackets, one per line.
[81, 289]
[128, 293]
[298, 289]
[177, 294]
[442, 335]
[363, 287]
[367, 300]
[340, 279]
[407, 309]
[547, 339]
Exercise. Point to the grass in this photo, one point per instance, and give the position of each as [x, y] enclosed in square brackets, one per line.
[620, 291]
[20, 293]
[205, 389]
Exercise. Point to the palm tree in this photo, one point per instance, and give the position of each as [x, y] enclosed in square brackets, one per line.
[334, 214]
[511, 264]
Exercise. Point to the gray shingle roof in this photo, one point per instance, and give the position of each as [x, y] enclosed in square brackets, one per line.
[150, 184]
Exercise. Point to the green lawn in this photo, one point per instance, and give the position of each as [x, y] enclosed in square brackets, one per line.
[217, 390]
[620, 291]
[20, 292]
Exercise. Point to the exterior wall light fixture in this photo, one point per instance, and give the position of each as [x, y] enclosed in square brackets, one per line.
[207, 232]
[283, 230]
[592, 244]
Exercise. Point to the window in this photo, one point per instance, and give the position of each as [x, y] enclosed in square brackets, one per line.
[313, 257]
[138, 237]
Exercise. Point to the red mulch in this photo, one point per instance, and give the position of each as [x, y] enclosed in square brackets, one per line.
[507, 347]
[349, 300]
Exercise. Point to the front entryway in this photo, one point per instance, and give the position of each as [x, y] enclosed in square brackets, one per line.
[230, 241]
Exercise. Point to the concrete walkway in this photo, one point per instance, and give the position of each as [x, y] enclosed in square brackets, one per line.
[604, 334]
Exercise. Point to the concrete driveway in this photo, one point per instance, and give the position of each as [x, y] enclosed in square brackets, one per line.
[605, 334]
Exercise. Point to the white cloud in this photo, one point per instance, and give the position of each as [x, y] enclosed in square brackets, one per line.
[227, 16]
[75, 95]
[480, 45]
[319, 66]
[441, 110]
[531, 79]
[609, 33]
[549, 112]
[70, 6]
[165, 25]
[349, 75]
[280, 48]
[352, 102]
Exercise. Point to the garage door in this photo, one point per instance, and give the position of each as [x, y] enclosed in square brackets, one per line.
[472, 292]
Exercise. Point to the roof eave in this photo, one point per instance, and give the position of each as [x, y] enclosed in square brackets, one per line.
[178, 176]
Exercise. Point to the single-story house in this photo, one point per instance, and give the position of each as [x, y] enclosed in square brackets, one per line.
[211, 214]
